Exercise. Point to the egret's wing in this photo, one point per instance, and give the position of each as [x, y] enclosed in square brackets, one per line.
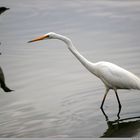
[117, 77]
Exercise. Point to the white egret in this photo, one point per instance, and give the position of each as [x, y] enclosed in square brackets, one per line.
[113, 76]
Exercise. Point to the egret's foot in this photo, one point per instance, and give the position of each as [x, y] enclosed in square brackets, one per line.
[106, 117]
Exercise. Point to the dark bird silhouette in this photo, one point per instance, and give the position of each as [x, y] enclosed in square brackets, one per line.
[2, 82]
[3, 9]
[2, 78]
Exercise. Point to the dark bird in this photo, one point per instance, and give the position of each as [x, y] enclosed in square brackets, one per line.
[2, 82]
[3, 9]
[2, 78]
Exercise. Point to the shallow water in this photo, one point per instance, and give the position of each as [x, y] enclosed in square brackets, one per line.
[55, 96]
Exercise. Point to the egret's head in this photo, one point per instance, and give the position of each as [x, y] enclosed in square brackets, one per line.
[50, 35]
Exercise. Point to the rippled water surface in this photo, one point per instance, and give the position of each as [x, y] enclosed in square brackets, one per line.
[55, 96]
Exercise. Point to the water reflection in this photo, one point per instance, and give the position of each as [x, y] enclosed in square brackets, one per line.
[126, 127]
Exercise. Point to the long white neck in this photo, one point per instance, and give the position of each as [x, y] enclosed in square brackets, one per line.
[90, 66]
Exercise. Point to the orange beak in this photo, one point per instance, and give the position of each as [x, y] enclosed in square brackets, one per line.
[39, 38]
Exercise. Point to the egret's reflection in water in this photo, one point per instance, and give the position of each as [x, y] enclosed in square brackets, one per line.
[126, 127]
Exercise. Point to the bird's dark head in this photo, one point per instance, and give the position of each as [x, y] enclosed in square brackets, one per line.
[3, 9]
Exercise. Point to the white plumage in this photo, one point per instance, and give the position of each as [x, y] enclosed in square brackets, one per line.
[115, 77]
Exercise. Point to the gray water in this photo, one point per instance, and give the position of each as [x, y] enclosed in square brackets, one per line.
[54, 95]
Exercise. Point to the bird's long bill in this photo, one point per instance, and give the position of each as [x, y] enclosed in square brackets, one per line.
[38, 38]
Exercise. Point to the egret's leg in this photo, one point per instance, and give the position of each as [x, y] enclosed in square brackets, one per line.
[120, 106]
[118, 115]
[118, 99]
[107, 89]
[104, 114]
